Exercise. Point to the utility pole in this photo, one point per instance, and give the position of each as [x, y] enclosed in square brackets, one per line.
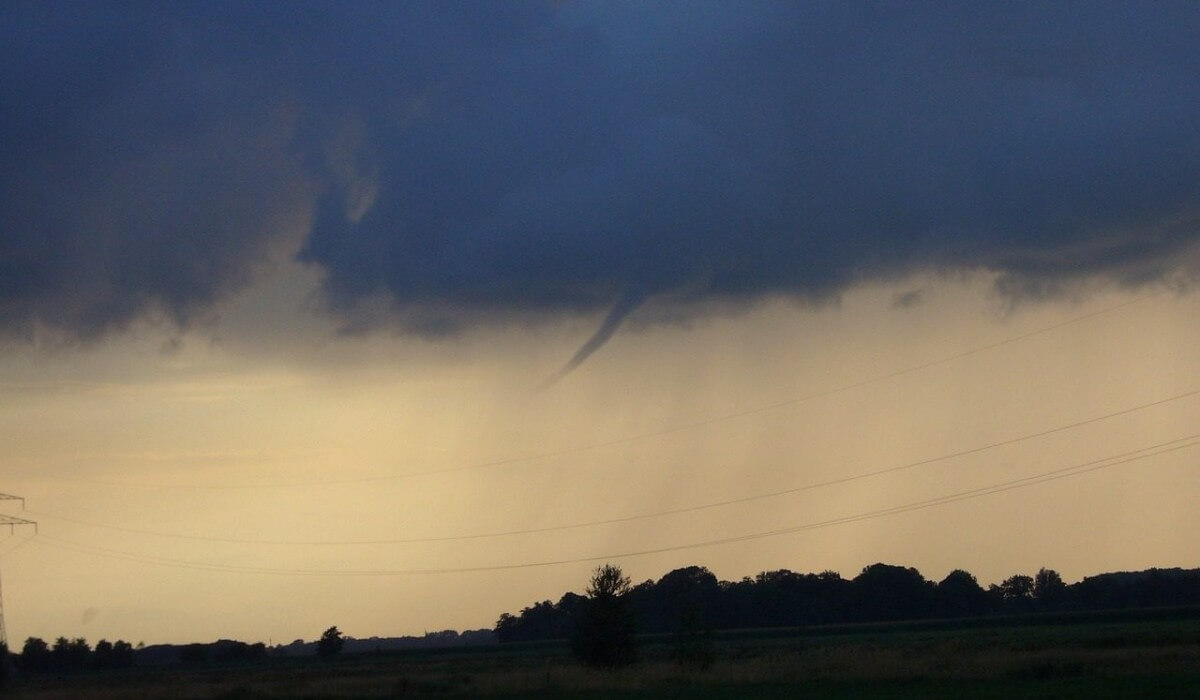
[12, 523]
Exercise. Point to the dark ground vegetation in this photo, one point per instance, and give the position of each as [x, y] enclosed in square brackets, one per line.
[892, 635]
[1147, 653]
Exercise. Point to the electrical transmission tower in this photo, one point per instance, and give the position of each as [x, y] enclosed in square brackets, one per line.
[12, 523]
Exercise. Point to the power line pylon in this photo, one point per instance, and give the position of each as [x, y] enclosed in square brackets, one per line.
[12, 523]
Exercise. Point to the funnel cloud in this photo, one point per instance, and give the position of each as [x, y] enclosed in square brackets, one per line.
[610, 324]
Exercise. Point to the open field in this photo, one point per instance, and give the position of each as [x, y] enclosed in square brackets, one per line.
[1083, 658]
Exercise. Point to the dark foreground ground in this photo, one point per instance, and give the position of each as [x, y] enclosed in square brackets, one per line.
[1155, 655]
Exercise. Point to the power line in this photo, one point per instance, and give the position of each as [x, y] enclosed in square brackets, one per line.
[578, 449]
[643, 516]
[1147, 452]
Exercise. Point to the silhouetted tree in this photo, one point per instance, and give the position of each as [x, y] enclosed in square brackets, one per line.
[803, 599]
[604, 627]
[886, 592]
[1018, 587]
[330, 643]
[122, 654]
[544, 620]
[507, 628]
[959, 594]
[1048, 587]
[60, 652]
[1017, 591]
[35, 655]
[540, 621]
[70, 654]
[102, 655]
[79, 652]
[4, 662]
[567, 609]
[692, 591]
[689, 595]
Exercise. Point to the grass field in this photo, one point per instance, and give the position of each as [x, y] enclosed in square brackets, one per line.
[1062, 658]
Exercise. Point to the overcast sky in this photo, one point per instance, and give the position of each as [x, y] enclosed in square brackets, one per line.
[284, 284]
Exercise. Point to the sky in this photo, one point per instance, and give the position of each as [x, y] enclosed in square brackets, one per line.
[398, 317]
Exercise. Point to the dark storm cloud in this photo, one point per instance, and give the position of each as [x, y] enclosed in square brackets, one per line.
[483, 162]
[141, 172]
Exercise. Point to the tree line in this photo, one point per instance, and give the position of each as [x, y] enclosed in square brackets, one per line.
[693, 600]
[73, 655]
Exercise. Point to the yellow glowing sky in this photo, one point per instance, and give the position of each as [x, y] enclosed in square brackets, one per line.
[165, 470]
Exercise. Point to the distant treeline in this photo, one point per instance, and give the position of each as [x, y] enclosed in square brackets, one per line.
[74, 655]
[431, 640]
[693, 598]
[225, 650]
[36, 656]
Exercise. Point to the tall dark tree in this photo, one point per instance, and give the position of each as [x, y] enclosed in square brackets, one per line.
[604, 626]
[959, 594]
[60, 652]
[692, 592]
[887, 592]
[102, 655]
[508, 628]
[35, 655]
[122, 654]
[70, 653]
[330, 643]
[1048, 587]
[1017, 588]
